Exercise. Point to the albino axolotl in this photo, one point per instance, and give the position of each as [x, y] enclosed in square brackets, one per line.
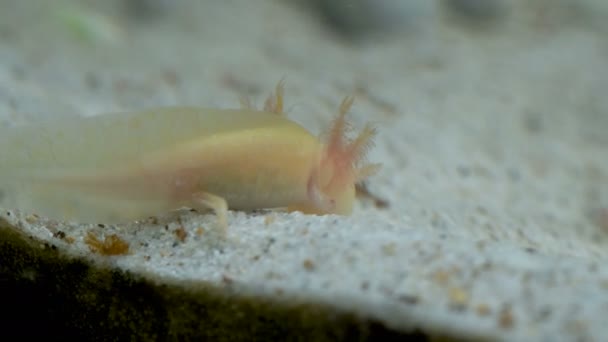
[128, 166]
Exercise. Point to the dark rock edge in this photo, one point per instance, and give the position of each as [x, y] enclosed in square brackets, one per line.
[57, 296]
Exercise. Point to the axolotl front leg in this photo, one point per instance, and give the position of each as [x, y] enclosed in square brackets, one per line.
[205, 200]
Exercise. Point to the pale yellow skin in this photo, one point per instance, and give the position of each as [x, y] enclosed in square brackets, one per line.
[129, 166]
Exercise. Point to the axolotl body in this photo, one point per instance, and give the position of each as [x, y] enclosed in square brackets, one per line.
[129, 166]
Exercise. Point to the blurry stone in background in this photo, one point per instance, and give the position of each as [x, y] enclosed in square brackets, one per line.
[359, 19]
[477, 12]
[145, 9]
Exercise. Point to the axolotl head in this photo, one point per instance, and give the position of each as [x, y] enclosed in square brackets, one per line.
[331, 187]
